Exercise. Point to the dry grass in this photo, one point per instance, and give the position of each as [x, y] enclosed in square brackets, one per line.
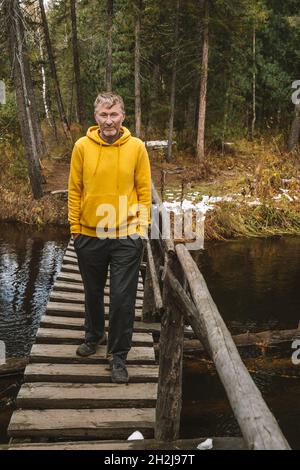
[254, 170]
[260, 171]
[228, 221]
[21, 207]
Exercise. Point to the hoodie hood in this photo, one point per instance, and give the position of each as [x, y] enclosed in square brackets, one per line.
[93, 134]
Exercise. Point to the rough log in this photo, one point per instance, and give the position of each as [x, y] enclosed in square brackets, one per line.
[158, 303]
[148, 311]
[169, 395]
[258, 425]
[13, 366]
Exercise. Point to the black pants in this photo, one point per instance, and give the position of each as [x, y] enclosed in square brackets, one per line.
[124, 257]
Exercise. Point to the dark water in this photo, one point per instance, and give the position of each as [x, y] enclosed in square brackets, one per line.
[255, 284]
[29, 262]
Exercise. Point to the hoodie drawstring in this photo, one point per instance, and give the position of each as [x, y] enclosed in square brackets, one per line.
[118, 165]
[98, 160]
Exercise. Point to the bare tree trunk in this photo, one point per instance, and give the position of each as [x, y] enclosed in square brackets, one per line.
[80, 113]
[46, 100]
[295, 130]
[41, 144]
[59, 101]
[191, 112]
[110, 11]
[137, 72]
[253, 83]
[70, 107]
[225, 117]
[203, 89]
[155, 90]
[24, 93]
[173, 85]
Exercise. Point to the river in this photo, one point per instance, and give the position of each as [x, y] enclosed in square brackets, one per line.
[255, 284]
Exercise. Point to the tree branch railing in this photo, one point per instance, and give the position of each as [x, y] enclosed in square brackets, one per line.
[194, 304]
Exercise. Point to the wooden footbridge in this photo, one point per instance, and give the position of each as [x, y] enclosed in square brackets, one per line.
[69, 402]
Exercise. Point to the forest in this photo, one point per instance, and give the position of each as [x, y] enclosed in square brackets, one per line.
[213, 89]
[218, 78]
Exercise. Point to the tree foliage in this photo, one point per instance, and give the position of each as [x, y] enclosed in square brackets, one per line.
[229, 98]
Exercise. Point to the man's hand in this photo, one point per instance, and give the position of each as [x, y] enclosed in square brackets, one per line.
[75, 235]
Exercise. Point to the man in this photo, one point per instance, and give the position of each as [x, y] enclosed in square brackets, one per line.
[109, 213]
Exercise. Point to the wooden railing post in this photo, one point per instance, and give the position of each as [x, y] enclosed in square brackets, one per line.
[152, 304]
[169, 395]
[148, 312]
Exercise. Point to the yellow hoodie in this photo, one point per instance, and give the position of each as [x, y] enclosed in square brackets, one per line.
[109, 186]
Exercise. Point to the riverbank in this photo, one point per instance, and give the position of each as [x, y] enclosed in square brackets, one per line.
[253, 191]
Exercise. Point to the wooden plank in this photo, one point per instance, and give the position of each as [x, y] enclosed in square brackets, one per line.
[68, 395]
[75, 269]
[64, 276]
[66, 336]
[69, 268]
[98, 424]
[71, 253]
[57, 353]
[69, 286]
[76, 310]
[48, 321]
[77, 287]
[74, 277]
[77, 297]
[71, 257]
[86, 373]
[219, 443]
[70, 260]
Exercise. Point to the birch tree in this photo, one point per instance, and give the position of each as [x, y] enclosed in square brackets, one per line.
[27, 111]
[53, 72]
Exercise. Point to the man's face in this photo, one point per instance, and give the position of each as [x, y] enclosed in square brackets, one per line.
[109, 120]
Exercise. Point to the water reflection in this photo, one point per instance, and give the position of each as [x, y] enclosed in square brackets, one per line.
[255, 283]
[29, 262]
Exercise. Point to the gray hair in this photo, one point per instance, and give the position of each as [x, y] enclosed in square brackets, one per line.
[109, 99]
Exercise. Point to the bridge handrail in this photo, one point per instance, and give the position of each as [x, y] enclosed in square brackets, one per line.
[194, 303]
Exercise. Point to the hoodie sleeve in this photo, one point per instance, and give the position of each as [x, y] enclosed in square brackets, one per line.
[75, 190]
[143, 189]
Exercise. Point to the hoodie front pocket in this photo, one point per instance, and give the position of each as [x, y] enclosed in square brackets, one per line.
[100, 210]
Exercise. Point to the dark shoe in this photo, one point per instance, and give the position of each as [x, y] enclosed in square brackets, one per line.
[119, 374]
[88, 348]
